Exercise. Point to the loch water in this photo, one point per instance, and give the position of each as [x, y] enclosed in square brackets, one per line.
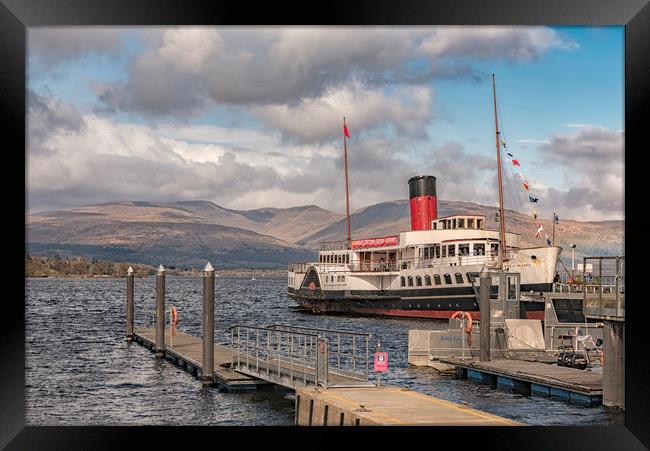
[79, 369]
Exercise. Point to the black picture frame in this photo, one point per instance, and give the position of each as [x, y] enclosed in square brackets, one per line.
[17, 15]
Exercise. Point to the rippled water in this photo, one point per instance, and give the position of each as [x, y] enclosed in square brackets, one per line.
[81, 371]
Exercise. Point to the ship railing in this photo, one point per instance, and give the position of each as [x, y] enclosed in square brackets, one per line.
[298, 356]
[334, 245]
[299, 267]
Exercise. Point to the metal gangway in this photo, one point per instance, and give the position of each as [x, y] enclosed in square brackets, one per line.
[294, 356]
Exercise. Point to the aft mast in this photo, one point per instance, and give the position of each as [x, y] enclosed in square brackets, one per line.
[347, 193]
[502, 219]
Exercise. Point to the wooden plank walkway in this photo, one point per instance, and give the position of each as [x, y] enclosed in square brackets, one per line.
[187, 351]
[386, 405]
[572, 379]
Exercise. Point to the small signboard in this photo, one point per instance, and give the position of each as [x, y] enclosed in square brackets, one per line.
[381, 362]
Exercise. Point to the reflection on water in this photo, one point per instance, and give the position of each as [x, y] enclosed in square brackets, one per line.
[80, 370]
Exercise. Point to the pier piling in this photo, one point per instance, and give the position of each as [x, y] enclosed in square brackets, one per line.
[208, 325]
[614, 364]
[129, 304]
[484, 298]
[160, 311]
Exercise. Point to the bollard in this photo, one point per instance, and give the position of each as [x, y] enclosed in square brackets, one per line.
[208, 325]
[484, 297]
[614, 364]
[129, 304]
[160, 311]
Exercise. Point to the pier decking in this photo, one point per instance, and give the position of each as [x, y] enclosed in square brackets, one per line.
[539, 379]
[186, 351]
[356, 406]
[385, 406]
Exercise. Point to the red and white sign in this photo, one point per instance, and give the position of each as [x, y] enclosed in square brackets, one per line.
[376, 242]
[381, 362]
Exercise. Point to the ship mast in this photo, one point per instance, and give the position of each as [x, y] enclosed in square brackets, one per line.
[502, 219]
[347, 193]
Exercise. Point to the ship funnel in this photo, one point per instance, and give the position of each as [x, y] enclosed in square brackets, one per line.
[423, 201]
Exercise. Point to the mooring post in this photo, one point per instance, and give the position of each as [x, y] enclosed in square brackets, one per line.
[614, 364]
[208, 325]
[160, 311]
[129, 304]
[484, 298]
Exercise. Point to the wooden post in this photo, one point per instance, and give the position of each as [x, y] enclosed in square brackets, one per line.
[614, 365]
[160, 311]
[208, 325]
[484, 297]
[129, 304]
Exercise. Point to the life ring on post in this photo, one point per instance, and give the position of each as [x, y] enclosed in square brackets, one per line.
[174, 315]
[468, 323]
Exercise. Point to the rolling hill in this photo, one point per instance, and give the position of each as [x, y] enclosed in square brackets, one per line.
[190, 232]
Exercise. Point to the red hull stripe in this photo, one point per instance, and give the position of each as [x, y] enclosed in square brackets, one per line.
[439, 314]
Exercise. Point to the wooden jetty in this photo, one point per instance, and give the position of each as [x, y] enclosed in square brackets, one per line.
[186, 351]
[538, 379]
[385, 406]
[335, 395]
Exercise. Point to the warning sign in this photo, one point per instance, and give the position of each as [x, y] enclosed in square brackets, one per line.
[381, 362]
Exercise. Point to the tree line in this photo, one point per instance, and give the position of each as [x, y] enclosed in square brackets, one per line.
[57, 266]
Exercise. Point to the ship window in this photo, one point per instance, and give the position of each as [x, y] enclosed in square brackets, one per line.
[479, 249]
[410, 281]
[403, 283]
[436, 279]
[418, 281]
[470, 223]
[447, 279]
[347, 258]
[342, 278]
[452, 250]
[472, 276]
[426, 252]
[438, 251]
[463, 249]
[434, 225]
[461, 223]
[494, 248]
[459, 277]
[427, 280]
[454, 223]
[479, 223]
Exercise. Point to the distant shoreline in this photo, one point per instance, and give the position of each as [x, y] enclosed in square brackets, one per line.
[40, 267]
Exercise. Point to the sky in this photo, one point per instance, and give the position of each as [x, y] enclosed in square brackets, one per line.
[251, 117]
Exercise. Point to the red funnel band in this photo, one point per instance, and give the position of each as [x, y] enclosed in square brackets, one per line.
[424, 209]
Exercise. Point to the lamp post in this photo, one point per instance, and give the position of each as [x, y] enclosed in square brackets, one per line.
[573, 259]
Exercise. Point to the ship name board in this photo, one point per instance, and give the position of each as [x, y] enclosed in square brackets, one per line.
[376, 242]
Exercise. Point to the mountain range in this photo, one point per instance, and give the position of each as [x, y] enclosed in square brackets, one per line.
[189, 233]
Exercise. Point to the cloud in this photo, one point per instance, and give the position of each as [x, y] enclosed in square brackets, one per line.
[593, 155]
[298, 65]
[408, 109]
[103, 160]
[55, 45]
[508, 43]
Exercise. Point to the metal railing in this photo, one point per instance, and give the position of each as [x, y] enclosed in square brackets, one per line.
[348, 352]
[396, 265]
[297, 356]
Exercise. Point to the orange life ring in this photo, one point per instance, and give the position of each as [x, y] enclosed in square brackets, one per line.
[174, 314]
[468, 324]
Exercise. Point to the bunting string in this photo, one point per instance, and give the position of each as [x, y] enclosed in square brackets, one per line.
[515, 166]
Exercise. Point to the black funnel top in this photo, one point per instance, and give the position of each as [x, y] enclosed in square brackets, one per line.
[422, 185]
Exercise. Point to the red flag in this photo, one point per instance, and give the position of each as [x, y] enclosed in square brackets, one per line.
[345, 130]
[515, 162]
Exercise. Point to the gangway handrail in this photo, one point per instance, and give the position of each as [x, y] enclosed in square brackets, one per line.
[267, 328]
